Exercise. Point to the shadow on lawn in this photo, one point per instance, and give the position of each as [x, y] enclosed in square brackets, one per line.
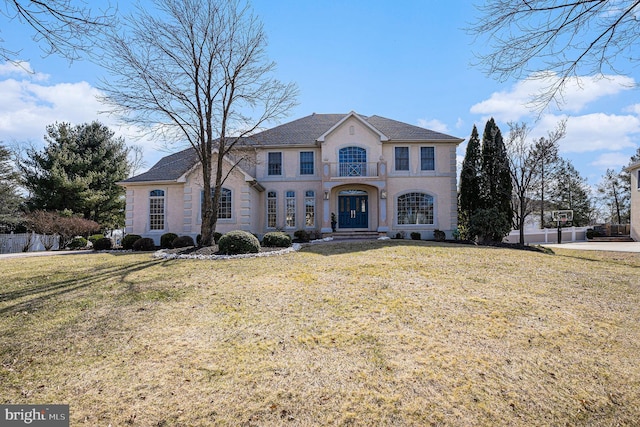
[41, 293]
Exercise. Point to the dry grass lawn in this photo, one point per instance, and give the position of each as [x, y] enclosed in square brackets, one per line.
[368, 334]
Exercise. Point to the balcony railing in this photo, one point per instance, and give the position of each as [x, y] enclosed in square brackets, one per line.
[353, 169]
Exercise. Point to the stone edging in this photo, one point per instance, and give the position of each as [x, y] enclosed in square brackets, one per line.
[163, 255]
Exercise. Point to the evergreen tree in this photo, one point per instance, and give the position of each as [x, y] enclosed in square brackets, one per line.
[9, 197]
[78, 171]
[612, 191]
[469, 195]
[496, 186]
[571, 191]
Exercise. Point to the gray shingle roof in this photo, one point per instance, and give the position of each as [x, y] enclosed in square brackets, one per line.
[303, 131]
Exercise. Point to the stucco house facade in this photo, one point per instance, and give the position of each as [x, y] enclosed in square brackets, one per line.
[372, 173]
[634, 172]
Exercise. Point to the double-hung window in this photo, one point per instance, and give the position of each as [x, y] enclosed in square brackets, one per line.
[274, 164]
[272, 209]
[427, 159]
[402, 158]
[306, 163]
[309, 208]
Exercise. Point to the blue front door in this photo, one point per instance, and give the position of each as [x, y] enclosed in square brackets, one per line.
[353, 211]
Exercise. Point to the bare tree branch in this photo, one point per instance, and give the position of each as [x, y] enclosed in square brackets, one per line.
[556, 40]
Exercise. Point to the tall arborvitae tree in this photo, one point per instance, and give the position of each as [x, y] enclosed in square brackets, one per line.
[78, 171]
[469, 195]
[496, 187]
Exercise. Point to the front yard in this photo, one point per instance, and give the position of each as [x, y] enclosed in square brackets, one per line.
[372, 333]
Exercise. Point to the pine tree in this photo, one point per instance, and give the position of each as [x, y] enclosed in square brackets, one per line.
[11, 200]
[496, 186]
[571, 191]
[469, 195]
[78, 171]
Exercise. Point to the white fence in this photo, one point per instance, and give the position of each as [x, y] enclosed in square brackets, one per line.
[26, 242]
[548, 235]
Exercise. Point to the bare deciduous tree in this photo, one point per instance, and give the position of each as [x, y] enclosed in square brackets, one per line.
[524, 166]
[556, 38]
[196, 71]
[63, 27]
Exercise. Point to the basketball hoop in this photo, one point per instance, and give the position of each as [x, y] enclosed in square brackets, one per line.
[562, 217]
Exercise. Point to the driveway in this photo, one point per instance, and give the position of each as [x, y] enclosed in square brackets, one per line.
[43, 253]
[599, 246]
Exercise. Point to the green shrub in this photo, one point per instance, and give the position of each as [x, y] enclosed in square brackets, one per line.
[591, 233]
[276, 239]
[95, 237]
[144, 244]
[489, 225]
[216, 238]
[103, 244]
[439, 235]
[415, 235]
[182, 242]
[167, 239]
[129, 240]
[302, 236]
[238, 242]
[77, 243]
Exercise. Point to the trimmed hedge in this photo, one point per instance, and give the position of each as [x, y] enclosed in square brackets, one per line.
[144, 244]
[129, 240]
[302, 236]
[166, 240]
[238, 242]
[439, 235]
[103, 244]
[77, 243]
[415, 235]
[182, 242]
[95, 237]
[276, 239]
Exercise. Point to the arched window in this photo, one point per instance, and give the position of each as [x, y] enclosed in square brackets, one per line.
[224, 203]
[415, 208]
[309, 208]
[272, 209]
[156, 210]
[353, 161]
[290, 208]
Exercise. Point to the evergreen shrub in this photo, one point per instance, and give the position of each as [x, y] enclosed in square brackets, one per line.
[95, 237]
[276, 239]
[302, 236]
[103, 244]
[415, 235]
[129, 240]
[439, 235]
[238, 242]
[182, 242]
[144, 244]
[167, 239]
[77, 243]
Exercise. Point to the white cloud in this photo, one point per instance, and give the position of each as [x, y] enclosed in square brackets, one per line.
[433, 124]
[27, 107]
[459, 123]
[611, 161]
[599, 131]
[515, 103]
[635, 109]
[22, 69]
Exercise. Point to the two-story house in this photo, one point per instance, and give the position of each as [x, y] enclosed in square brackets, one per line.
[372, 173]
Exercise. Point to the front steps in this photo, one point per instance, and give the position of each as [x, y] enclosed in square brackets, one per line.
[355, 235]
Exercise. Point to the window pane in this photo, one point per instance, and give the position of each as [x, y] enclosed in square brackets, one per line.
[290, 208]
[427, 158]
[309, 209]
[353, 161]
[275, 164]
[415, 208]
[402, 158]
[272, 209]
[156, 210]
[306, 163]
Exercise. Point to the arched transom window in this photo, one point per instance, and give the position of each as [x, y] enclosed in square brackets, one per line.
[353, 161]
[415, 208]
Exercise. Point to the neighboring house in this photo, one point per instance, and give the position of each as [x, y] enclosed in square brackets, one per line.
[375, 174]
[634, 171]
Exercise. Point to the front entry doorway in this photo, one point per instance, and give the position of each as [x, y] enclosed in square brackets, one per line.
[353, 209]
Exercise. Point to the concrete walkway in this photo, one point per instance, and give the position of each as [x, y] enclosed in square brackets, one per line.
[598, 246]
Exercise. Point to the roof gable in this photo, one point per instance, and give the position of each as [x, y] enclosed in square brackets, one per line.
[353, 114]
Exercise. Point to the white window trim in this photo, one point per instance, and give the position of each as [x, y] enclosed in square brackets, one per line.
[415, 226]
[166, 210]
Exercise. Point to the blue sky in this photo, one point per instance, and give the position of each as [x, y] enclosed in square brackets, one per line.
[406, 60]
